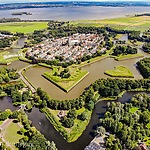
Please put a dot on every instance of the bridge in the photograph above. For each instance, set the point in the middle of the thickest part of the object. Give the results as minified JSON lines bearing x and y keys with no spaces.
{"x":31,"y":87}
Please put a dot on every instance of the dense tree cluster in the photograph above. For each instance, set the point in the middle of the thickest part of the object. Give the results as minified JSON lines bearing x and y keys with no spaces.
{"x":5,"y":42}
{"x":136,"y":35}
{"x":124,"y":50}
{"x":7,"y":74}
{"x":63,"y":74}
{"x":127,"y":126}
{"x":104,"y":87}
{"x":43,"y":97}
{"x":146,"y":47}
{"x":144,"y":67}
{"x":35,"y":140}
{"x":9,"y":88}
{"x":5,"y":114}
{"x":112,"y":87}
{"x":20,"y":97}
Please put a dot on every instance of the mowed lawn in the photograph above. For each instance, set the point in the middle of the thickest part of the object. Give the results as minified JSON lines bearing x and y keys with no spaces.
{"x":120,"y":71}
{"x":11,"y":134}
{"x":140,"y":23}
{"x":23,"y":27}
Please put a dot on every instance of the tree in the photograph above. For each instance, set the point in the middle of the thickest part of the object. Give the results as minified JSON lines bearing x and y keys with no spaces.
{"x":83,"y":116}
{"x":67,"y":122}
{"x":71,"y":114}
{"x":101,"y":130}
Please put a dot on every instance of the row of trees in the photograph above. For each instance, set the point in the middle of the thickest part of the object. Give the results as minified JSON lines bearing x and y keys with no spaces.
{"x":144,"y":67}
{"x":9,"y":88}
{"x":124,"y":50}
{"x":146,"y":47}
{"x":103,"y":87}
{"x":127,"y":126}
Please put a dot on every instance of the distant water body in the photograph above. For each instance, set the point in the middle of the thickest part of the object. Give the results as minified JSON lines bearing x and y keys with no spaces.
{"x":75,"y":13}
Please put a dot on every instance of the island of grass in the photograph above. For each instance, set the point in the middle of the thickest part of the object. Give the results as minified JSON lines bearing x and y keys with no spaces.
{"x":120,"y":71}
{"x":66,"y":78}
{"x":70,"y":134}
{"x":23,"y":27}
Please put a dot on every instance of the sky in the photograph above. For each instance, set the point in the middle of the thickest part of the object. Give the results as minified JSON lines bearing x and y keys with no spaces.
{"x":16,"y":1}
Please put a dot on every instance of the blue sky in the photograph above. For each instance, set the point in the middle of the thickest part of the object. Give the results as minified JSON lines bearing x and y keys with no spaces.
{"x":13,"y":1}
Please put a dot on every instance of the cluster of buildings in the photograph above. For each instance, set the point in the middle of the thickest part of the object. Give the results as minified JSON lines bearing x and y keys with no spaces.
{"x":70,"y":48}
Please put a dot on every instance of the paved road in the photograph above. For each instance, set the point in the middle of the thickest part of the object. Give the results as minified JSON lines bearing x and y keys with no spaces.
{"x":25,"y":80}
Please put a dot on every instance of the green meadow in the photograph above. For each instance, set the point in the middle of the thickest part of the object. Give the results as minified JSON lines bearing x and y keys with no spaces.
{"x":23,"y":27}
{"x":120,"y":71}
{"x":140,"y":23}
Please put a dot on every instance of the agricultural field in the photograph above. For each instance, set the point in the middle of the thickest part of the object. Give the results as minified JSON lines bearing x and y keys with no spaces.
{"x":137,"y":23}
{"x":23,"y":27}
{"x":120,"y":71}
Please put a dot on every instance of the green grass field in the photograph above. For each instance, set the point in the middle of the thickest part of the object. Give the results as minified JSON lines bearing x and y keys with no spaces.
{"x":120,"y":71}
{"x":23,"y":27}
{"x":66,"y":84}
{"x":129,"y":56}
{"x":148,"y":125}
{"x":133,"y":109}
{"x":1,"y":122}
{"x":140,"y":23}
{"x":11,"y":134}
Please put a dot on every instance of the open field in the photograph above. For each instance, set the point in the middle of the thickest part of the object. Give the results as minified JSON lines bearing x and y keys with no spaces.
{"x":120,"y":71}
{"x":66,"y":84}
{"x":140,"y":23}
{"x":23,"y":27}
{"x":11,"y":134}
